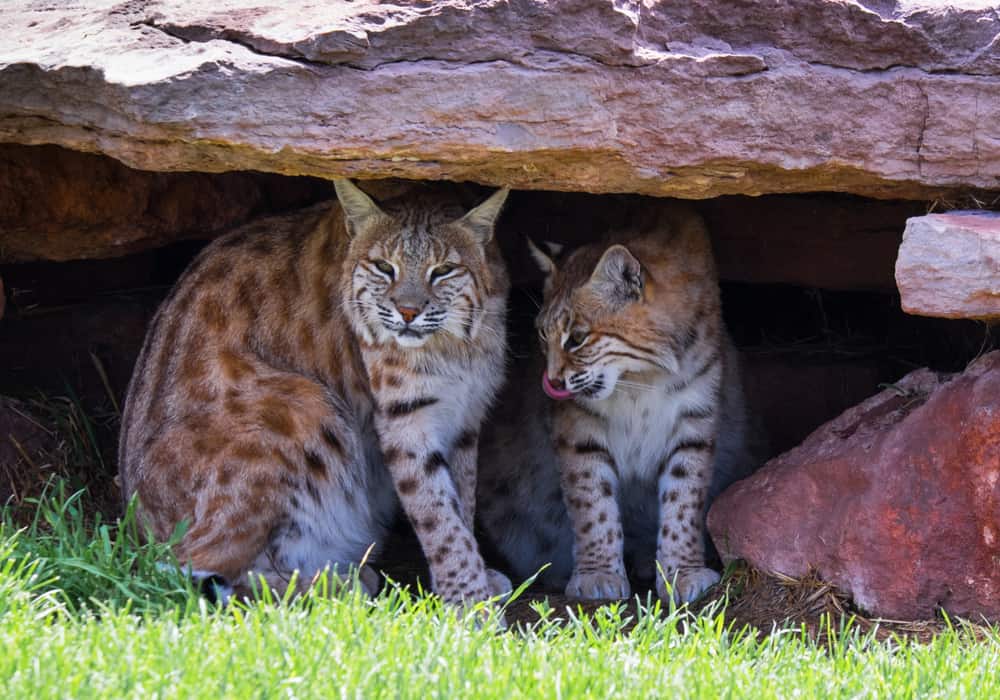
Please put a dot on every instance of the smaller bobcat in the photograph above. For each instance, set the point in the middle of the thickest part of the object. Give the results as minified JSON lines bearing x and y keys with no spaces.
{"x":647,"y":425}
{"x":307,"y":370}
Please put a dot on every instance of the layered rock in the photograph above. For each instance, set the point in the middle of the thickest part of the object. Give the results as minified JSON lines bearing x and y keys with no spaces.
{"x":897,"y":501}
{"x":949,"y":265}
{"x":692,"y":99}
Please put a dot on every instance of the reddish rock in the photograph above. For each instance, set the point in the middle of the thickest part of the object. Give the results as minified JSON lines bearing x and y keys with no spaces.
{"x":57,"y":204}
{"x":949,"y":265}
{"x":692,"y":99}
{"x":896,"y":501}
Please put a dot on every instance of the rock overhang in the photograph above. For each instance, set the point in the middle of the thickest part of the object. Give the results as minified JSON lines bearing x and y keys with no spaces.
{"x":699,"y":99}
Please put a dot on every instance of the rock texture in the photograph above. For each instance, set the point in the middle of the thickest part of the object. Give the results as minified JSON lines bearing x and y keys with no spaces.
{"x":693,"y":99}
{"x":949,"y":265}
{"x":57,"y":204}
{"x":897,"y":501}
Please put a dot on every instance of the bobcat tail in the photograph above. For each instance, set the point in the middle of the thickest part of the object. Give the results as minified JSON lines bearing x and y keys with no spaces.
{"x":215,"y":588}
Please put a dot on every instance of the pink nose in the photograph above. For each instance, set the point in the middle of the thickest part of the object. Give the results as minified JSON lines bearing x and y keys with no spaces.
{"x":408,"y":312}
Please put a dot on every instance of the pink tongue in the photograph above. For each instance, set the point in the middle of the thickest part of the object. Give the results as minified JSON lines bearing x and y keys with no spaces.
{"x":557,"y":394}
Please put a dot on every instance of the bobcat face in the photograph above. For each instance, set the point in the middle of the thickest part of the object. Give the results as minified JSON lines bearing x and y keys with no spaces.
{"x":594,"y":324}
{"x":414,"y":286}
{"x":419,"y":273}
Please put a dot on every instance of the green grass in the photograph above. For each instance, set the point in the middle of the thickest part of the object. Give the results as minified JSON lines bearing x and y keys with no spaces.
{"x":85,"y":612}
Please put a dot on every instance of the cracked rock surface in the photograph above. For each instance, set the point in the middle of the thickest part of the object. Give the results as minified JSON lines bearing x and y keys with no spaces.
{"x":693,"y":99}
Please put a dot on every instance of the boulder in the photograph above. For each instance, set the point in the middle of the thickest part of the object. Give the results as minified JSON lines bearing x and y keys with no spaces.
{"x":896,"y":501}
{"x":692,"y":99}
{"x":949,"y":265}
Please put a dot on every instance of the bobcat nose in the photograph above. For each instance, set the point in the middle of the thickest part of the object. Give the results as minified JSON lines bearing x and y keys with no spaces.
{"x":408,"y":313}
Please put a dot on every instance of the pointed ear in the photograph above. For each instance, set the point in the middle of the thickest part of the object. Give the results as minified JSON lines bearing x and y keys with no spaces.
{"x":481,"y":220}
{"x":359,"y":209}
{"x":618,"y":275}
{"x":542,"y":258}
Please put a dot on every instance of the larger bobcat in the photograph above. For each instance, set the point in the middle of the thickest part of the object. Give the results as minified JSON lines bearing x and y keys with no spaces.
{"x":296,"y":374}
{"x":647,"y":425}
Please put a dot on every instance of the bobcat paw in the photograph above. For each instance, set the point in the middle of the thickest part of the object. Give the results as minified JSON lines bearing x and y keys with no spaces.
{"x":497,"y":583}
{"x":687,"y":584}
{"x":596,"y":585}
{"x":486,"y":607}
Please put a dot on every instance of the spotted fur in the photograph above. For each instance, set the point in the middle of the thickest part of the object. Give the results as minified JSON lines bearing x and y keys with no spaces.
{"x":631,"y":329}
{"x":301,"y":381}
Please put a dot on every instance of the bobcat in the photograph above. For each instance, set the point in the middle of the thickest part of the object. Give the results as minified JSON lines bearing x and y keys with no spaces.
{"x":647,"y":422}
{"x":299,"y":378}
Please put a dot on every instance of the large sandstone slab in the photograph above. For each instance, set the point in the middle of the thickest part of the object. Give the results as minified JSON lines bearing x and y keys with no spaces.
{"x":896,"y":501}
{"x":949,"y":265}
{"x":693,"y":99}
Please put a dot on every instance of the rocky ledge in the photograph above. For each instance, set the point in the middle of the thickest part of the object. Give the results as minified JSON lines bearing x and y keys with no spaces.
{"x":691,"y":99}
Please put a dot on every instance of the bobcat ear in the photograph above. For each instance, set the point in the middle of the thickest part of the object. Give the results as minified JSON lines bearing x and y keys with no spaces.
{"x":482,"y":220}
{"x":544,"y":259}
{"x":618,"y":275}
{"x":359,"y":209}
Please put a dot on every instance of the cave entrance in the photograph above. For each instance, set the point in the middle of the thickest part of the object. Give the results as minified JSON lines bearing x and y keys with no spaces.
{"x":91,"y":248}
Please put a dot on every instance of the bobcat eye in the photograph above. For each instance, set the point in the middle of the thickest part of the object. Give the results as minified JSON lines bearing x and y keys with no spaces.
{"x":575,"y":339}
{"x":385,"y":268}
{"x":442,"y":270}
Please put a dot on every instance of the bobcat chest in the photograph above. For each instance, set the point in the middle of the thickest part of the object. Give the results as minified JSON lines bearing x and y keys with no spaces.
{"x":641,"y":426}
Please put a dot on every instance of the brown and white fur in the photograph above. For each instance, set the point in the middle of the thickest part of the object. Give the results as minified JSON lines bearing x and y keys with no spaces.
{"x":652,"y":427}
{"x":302,"y":376}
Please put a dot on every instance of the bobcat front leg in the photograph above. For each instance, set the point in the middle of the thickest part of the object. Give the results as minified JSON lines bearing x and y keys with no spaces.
{"x":423,"y":480}
{"x":463,"y":469}
{"x":590,"y":485}
{"x":680,"y":551}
